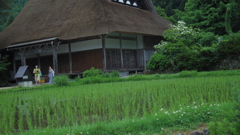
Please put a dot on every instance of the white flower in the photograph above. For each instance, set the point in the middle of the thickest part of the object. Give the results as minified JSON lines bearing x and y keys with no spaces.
{"x":80,"y":132}
{"x":187,"y":106}
{"x":132,"y":120}
{"x":194,"y":102}
{"x":161,"y":109}
{"x":181,"y":108}
{"x":161,"y":128}
{"x":181,"y":114}
{"x":202,"y":104}
{"x":208,"y":112}
{"x":155,"y":114}
{"x":87,"y":133}
{"x":157,"y":119}
{"x":195,"y":107}
{"x":180,"y":105}
{"x":166,"y":112}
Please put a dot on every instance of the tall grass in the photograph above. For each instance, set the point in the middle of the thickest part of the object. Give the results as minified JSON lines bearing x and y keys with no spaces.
{"x":86,"y":104}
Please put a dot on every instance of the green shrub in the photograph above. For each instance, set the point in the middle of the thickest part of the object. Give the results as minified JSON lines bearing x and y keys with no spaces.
{"x":230,"y":45}
{"x":62,"y":80}
{"x":158,"y":62}
{"x":78,"y":78}
{"x":106,"y":75}
{"x":115,"y":74}
{"x":92,"y":72}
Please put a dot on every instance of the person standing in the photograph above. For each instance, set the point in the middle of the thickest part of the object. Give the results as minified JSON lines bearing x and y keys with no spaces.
{"x":50,"y":75}
{"x":36,"y":72}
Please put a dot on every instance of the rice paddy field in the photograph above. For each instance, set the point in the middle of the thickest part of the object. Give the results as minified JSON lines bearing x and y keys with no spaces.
{"x":80,"y":109}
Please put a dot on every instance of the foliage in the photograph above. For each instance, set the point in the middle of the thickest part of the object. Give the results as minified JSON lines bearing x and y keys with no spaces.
{"x":115,"y":74}
{"x":4,"y":6}
{"x":230,"y":124}
{"x":186,"y":48}
{"x":9,"y":11}
{"x":3,"y":63}
{"x":230,"y":45}
{"x":117,"y":108}
{"x":93,"y":72}
{"x":3,"y":67}
{"x":158,"y":61}
{"x":217,"y":16}
{"x":62,"y":80}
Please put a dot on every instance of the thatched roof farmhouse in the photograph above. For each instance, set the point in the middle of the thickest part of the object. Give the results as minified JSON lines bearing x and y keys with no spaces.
{"x":73,"y":36}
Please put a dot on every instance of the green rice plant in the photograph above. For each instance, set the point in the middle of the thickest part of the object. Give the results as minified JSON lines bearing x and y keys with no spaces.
{"x":60,"y":107}
{"x":192,"y":73}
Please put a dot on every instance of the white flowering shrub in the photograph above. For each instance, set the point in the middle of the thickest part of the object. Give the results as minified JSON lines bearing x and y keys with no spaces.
{"x":184,"y":48}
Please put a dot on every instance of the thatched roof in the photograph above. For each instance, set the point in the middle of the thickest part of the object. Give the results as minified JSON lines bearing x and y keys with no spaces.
{"x":75,"y":19}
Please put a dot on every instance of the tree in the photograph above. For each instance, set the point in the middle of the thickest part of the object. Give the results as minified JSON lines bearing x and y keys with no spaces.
{"x":3,"y":63}
{"x":4,"y":9}
{"x":215,"y":16}
{"x":9,"y":10}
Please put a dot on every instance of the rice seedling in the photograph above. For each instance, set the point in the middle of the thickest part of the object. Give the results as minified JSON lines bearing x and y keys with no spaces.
{"x":68,"y":106}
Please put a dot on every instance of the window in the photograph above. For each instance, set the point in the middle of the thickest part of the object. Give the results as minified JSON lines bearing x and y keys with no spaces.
{"x":133,"y":3}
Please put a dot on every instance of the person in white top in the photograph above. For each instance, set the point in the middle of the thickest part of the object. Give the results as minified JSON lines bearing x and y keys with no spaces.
{"x":50,"y":75}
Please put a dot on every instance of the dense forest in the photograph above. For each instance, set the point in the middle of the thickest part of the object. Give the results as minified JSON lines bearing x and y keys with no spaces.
{"x":9,"y":10}
{"x":205,"y":36}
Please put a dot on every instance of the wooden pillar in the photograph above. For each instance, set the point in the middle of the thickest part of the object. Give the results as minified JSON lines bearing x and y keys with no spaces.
{"x":23,"y":58}
{"x":14,"y":64}
{"x":137,"y":52}
{"x":55,"y":58}
{"x":121,"y":50}
{"x":70,"y":58}
{"x":39,"y":62}
{"x":104,"y":53}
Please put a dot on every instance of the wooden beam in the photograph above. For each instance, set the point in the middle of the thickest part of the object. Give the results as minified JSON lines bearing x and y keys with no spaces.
{"x":70,"y":57}
{"x":123,"y":38}
{"x":35,"y":51}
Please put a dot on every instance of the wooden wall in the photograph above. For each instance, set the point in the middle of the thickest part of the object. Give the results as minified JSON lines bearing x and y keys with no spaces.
{"x":81,"y":61}
{"x":130,"y":61}
{"x":85,"y":60}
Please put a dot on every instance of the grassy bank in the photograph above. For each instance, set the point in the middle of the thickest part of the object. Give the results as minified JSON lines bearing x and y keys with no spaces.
{"x":136,"y":77}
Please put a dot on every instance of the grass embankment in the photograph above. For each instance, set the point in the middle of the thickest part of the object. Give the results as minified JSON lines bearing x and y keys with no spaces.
{"x":135,"y":107}
{"x":136,"y":77}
